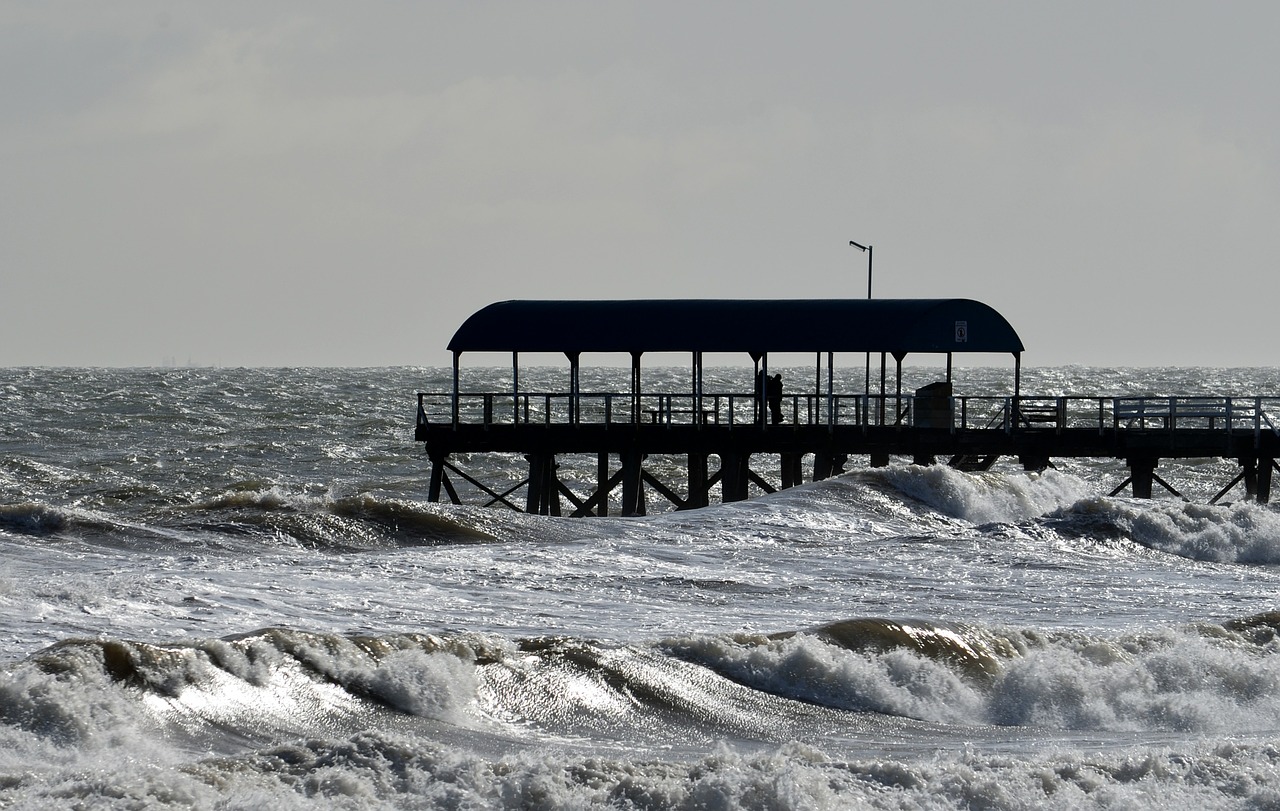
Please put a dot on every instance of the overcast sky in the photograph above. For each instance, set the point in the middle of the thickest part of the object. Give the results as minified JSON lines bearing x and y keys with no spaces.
{"x":341,"y":183}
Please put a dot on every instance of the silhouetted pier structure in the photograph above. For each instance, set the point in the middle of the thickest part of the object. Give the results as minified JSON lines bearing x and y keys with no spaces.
{"x":734,"y":429}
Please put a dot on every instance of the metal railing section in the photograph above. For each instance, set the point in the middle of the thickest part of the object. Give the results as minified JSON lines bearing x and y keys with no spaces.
{"x":963,"y":413}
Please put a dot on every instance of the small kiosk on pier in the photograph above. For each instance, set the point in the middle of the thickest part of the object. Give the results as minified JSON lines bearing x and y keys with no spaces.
{"x":815,"y":428}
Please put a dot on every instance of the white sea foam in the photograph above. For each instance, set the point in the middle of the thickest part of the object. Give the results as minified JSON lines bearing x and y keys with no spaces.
{"x":72,"y":703}
{"x":983,"y":498}
{"x":1173,"y":681}
{"x":1237,"y":533}
{"x":373,"y":771}
{"x":895,"y":682}
{"x":423,"y":676}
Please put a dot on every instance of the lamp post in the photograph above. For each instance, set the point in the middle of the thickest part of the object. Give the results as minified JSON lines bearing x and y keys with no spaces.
{"x":867,"y":249}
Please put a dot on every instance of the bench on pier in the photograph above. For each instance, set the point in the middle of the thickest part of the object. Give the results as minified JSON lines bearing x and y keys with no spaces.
{"x":1037,"y":415}
{"x":1164,"y":415}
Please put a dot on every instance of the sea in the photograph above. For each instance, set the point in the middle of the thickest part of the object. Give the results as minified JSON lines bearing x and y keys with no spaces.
{"x":227,"y":589}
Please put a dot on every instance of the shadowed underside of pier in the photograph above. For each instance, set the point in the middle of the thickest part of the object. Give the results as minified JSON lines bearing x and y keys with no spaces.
{"x":722,"y":463}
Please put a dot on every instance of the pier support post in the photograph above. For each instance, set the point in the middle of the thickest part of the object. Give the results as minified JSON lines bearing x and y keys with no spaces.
{"x":791,"y":470}
{"x":602,"y":483}
{"x":1249,"y":473}
{"x":879,"y":459}
{"x":632,"y":483}
{"x":533,"y":498}
{"x":1035,"y":462}
{"x":437,"y":476}
{"x":1143,"y":472}
{"x":827,"y":464}
{"x":823,"y":465}
{"x":544,"y":494}
{"x":1265,"y":466}
{"x":698,"y":481}
{"x":733,"y":476}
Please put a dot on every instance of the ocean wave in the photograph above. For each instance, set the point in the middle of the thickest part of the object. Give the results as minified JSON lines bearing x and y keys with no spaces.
{"x":32,"y":519}
{"x":68,"y":697}
{"x":1174,"y":680}
{"x":38,"y":520}
{"x":410,"y":522}
{"x":1202,"y":679}
{"x":966,"y":648}
{"x":986,"y":498}
{"x":1207,"y":678}
{"x":345,"y":523}
{"x":96,"y":527}
{"x":270,"y":515}
{"x":276,"y":682}
{"x":855,"y":676}
{"x":247,"y":688}
{"x":1243,"y":533}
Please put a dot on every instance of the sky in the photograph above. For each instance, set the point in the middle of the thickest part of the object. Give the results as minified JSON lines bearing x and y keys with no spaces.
{"x":340,"y":184}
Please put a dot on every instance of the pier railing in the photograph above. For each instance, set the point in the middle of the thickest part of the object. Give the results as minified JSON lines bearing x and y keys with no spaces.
{"x":963,"y":413}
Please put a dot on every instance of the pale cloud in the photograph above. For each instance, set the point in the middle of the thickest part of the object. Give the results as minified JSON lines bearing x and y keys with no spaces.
{"x":231,"y":98}
{"x":382,"y":170}
{"x":1172,"y":160}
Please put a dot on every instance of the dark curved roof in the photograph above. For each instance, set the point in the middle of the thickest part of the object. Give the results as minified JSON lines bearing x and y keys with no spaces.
{"x":727,"y":325}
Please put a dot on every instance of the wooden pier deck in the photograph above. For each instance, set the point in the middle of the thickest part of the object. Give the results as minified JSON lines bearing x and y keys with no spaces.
{"x":724,"y":440}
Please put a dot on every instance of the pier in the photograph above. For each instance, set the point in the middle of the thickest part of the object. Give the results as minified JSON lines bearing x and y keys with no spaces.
{"x":723,"y":438}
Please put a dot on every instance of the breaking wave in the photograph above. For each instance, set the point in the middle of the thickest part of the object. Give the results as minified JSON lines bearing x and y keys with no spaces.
{"x":747,"y":686}
{"x":1205,"y":679}
{"x":1244,"y":533}
{"x":985,"y":498}
{"x":344,"y":523}
{"x":347,"y":523}
{"x":455,"y":720}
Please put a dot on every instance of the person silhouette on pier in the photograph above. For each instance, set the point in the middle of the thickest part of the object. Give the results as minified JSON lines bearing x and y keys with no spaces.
{"x":773,"y":391}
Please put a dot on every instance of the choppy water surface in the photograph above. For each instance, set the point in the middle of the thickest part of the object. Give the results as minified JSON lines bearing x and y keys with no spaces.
{"x":225,"y":588}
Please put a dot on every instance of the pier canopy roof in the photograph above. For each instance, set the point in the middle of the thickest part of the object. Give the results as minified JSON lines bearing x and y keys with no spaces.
{"x":896,"y":326}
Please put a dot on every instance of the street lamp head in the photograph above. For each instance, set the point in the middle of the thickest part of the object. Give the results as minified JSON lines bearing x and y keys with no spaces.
{"x":862,"y":248}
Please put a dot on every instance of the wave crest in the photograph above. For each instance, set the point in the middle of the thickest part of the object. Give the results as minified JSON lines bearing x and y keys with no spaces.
{"x":986,"y":498}
{"x":1222,"y":679}
{"x":356,"y":522}
{"x":1238,"y":533}
{"x":32,"y":519}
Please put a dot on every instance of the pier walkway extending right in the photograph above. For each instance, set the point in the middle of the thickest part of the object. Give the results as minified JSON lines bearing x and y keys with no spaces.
{"x":968,"y":432}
